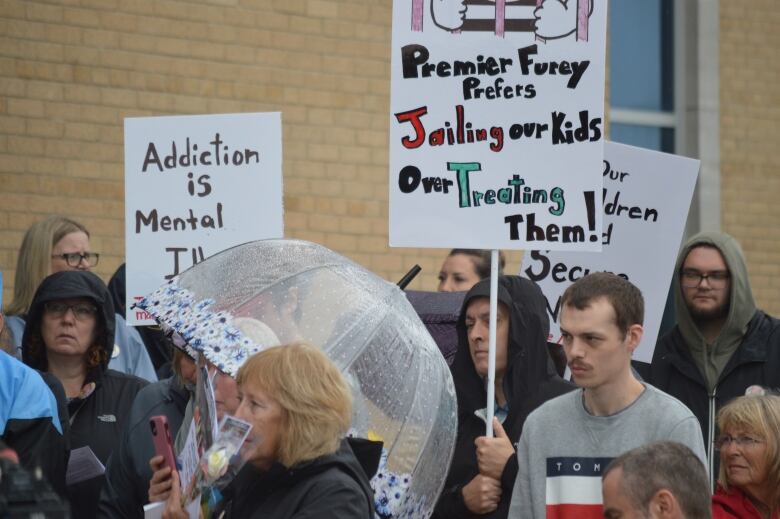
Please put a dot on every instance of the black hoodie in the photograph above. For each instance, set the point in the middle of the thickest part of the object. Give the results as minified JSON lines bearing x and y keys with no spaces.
{"x":530,"y":380}
{"x":334,"y":486}
{"x":97,"y":419}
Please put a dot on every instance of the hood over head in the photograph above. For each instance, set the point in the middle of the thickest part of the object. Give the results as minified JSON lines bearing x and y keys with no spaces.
{"x":711,"y":359}
{"x":67,"y":285}
{"x":528,"y":363}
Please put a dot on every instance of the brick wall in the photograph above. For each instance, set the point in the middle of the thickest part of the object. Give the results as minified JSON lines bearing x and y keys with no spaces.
{"x":749,"y":139}
{"x":70,"y":72}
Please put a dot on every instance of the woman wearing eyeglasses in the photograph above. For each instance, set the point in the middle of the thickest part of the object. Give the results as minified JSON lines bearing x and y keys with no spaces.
{"x":70,"y":334}
{"x":749,"y":445}
{"x":58,"y":244}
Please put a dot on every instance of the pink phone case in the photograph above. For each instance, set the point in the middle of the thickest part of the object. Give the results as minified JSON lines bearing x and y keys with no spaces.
{"x":163,"y":444}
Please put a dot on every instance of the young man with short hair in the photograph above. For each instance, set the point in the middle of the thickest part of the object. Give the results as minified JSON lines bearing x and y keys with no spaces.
{"x":567,"y":442}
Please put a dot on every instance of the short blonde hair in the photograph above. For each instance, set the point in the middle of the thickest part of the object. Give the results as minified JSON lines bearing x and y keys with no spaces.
{"x":34,"y":261}
{"x":314,"y":396}
{"x":759,"y":415}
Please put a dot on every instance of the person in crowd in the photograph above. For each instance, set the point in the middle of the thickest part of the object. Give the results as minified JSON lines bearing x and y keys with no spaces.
{"x":300,"y":408}
{"x":462,"y":268}
{"x":722,"y":343}
{"x":30,"y":421}
{"x":568,"y":441}
{"x":58,"y":244}
{"x":69,"y":333}
{"x":661,"y":480}
{"x":483,"y":470}
{"x":153,"y":338}
{"x":226,"y":396}
{"x":749,"y":446}
{"x":130,"y":467}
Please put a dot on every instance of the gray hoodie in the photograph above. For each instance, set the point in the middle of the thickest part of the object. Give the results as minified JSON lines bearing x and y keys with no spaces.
{"x":711,"y":359}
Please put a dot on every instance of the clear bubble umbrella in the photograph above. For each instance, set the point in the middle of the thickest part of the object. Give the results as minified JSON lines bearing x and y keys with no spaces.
{"x":280,"y":291}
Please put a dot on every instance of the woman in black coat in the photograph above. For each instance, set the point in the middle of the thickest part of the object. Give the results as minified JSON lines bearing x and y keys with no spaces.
{"x":69,"y":333}
{"x":298,"y":465}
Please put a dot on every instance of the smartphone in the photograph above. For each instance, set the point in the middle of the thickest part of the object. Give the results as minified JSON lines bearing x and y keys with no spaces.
{"x":163,"y":443}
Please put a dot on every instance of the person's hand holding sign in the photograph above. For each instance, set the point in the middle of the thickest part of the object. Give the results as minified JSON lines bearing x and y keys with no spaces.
{"x":482,"y":494}
{"x":493,"y":453}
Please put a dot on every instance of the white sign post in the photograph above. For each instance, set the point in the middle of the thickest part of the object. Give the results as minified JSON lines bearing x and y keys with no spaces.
{"x":496,"y":133}
{"x":646,"y":199}
{"x":194,"y":186}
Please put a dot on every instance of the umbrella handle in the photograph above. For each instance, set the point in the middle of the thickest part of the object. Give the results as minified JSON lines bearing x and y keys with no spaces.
{"x":409,"y":276}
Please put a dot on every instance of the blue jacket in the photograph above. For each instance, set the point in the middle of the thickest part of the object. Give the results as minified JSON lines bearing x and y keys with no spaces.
{"x":30,"y":422}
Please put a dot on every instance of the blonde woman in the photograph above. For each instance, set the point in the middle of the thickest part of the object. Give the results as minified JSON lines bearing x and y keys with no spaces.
{"x":749,"y":445}
{"x":298,"y":465}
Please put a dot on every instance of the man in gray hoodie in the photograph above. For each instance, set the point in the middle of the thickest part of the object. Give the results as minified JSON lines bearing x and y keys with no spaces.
{"x":722,"y":344}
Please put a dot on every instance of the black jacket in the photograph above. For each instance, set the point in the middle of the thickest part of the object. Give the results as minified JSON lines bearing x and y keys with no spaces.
{"x":530,"y":380}
{"x":126,"y":489}
{"x":755,"y":362}
{"x":330,"y":487}
{"x":98,"y":420}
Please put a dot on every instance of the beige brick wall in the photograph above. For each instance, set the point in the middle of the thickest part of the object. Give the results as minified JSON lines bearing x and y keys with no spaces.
{"x":750,"y":137}
{"x":70,"y":74}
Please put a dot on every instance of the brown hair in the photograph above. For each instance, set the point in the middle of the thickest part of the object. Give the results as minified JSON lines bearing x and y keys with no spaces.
{"x":6,"y":341}
{"x":315,"y":398}
{"x":759,"y":414}
{"x":625,"y":298}
{"x":480,"y":258}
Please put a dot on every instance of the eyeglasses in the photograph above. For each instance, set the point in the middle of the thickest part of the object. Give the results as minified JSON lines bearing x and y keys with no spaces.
{"x":693,"y":278}
{"x":73,"y":259}
{"x":742,"y":441}
{"x":82,"y":311}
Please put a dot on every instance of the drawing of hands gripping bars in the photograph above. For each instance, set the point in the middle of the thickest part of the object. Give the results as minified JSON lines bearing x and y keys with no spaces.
{"x":548,"y":19}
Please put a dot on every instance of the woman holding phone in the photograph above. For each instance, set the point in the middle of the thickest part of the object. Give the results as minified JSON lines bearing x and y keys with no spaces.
{"x":298,"y":465}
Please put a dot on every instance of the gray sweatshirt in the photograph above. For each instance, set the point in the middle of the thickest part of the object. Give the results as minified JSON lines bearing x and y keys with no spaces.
{"x":563,"y":450}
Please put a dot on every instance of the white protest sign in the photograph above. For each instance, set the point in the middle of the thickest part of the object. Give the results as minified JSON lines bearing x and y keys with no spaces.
{"x":646,"y":199}
{"x":194,"y":186}
{"x":496,"y":132}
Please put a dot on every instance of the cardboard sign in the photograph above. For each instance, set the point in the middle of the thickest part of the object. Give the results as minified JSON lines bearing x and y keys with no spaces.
{"x":194,"y":186}
{"x":496,"y":133}
{"x":646,"y":198}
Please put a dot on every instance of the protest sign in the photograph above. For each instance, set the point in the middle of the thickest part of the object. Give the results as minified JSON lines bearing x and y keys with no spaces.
{"x":496,"y":134}
{"x":194,"y":186}
{"x":646,"y":198}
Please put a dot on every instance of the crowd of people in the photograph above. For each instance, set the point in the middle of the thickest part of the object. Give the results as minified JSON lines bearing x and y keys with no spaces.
{"x":580,"y":429}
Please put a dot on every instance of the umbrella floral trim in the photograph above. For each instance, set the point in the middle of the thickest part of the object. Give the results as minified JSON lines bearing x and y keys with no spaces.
{"x":211,"y":333}
{"x":392,"y":498}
